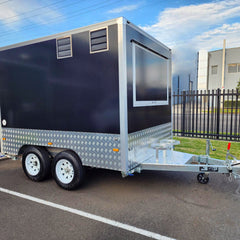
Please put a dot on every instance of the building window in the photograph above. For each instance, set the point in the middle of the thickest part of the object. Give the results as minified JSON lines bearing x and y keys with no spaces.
{"x":233,"y":68}
{"x":239,"y":67}
{"x":214,"y":69}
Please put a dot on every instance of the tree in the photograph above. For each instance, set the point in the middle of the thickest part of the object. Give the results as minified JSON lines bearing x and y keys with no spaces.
{"x":238,"y":85}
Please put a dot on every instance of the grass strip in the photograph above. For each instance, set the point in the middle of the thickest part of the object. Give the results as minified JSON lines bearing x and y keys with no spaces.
{"x":198,"y":146}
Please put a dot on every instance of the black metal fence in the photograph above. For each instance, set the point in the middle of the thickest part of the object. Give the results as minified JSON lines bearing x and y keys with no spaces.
{"x":207,"y":114}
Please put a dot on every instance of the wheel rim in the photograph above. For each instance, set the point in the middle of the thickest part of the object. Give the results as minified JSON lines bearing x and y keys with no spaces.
{"x":202,"y":178}
{"x":32,"y":164}
{"x":64,"y":171}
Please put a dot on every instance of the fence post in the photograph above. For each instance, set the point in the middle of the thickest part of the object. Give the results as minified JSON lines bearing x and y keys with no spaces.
{"x":218,"y":110}
{"x":183,"y":112}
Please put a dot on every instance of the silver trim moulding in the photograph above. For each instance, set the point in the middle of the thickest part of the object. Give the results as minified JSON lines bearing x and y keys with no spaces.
{"x":123,"y":109}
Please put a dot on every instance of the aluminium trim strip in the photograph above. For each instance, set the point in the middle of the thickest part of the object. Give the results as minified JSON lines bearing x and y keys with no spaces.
{"x":149,"y":49}
{"x":122,"y":64}
{"x":171,"y":92}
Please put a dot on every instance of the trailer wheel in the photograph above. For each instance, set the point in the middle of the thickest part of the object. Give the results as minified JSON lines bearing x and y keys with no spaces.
{"x":36,"y":163}
{"x":202,"y":178}
{"x":67,"y":170}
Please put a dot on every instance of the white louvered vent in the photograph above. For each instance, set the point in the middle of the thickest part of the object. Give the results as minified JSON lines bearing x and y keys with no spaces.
{"x":64,"y":47}
{"x":98,"y":40}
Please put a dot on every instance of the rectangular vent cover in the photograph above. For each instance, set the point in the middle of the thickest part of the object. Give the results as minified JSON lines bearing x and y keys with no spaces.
{"x":98,"y":40}
{"x":64,"y":47}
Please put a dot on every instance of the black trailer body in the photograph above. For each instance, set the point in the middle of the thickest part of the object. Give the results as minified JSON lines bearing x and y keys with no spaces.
{"x":102,"y":91}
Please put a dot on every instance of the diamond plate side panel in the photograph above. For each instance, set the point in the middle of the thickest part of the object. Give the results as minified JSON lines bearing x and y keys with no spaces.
{"x":94,"y":149}
{"x":139,"y":142}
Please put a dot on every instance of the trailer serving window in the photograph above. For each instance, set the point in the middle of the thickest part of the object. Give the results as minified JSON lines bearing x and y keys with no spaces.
{"x":150,"y":77}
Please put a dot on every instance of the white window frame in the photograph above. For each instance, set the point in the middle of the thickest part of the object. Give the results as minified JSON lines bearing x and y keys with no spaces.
{"x":139,"y":103}
{"x":69,"y":36}
{"x":98,"y":51}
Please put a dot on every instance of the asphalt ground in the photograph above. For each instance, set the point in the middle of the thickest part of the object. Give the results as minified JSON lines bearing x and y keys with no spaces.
{"x":170,"y":204}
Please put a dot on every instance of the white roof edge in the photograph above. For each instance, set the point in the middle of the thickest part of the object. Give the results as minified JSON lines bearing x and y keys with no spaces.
{"x":222,"y":49}
{"x":146,"y":34}
{"x":65,"y":33}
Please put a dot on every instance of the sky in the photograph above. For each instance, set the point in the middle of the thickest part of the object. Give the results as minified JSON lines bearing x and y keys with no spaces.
{"x":184,"y":26}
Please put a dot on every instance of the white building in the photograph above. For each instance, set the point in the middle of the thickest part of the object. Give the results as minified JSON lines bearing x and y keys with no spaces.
{"x":218,"y":70}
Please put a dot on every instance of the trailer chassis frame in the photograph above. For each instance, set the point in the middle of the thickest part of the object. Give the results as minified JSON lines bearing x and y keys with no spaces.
{"x":165,"y":157}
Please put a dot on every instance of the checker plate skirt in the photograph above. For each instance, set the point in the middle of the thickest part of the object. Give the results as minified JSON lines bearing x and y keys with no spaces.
{"x":139,"y":142}
{"x":94,"y":149}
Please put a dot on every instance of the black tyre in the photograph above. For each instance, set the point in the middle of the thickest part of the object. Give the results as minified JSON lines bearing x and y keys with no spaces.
{"x":67,"y":170}
{"x":202,"y":178}
{"x":36,"y":163}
